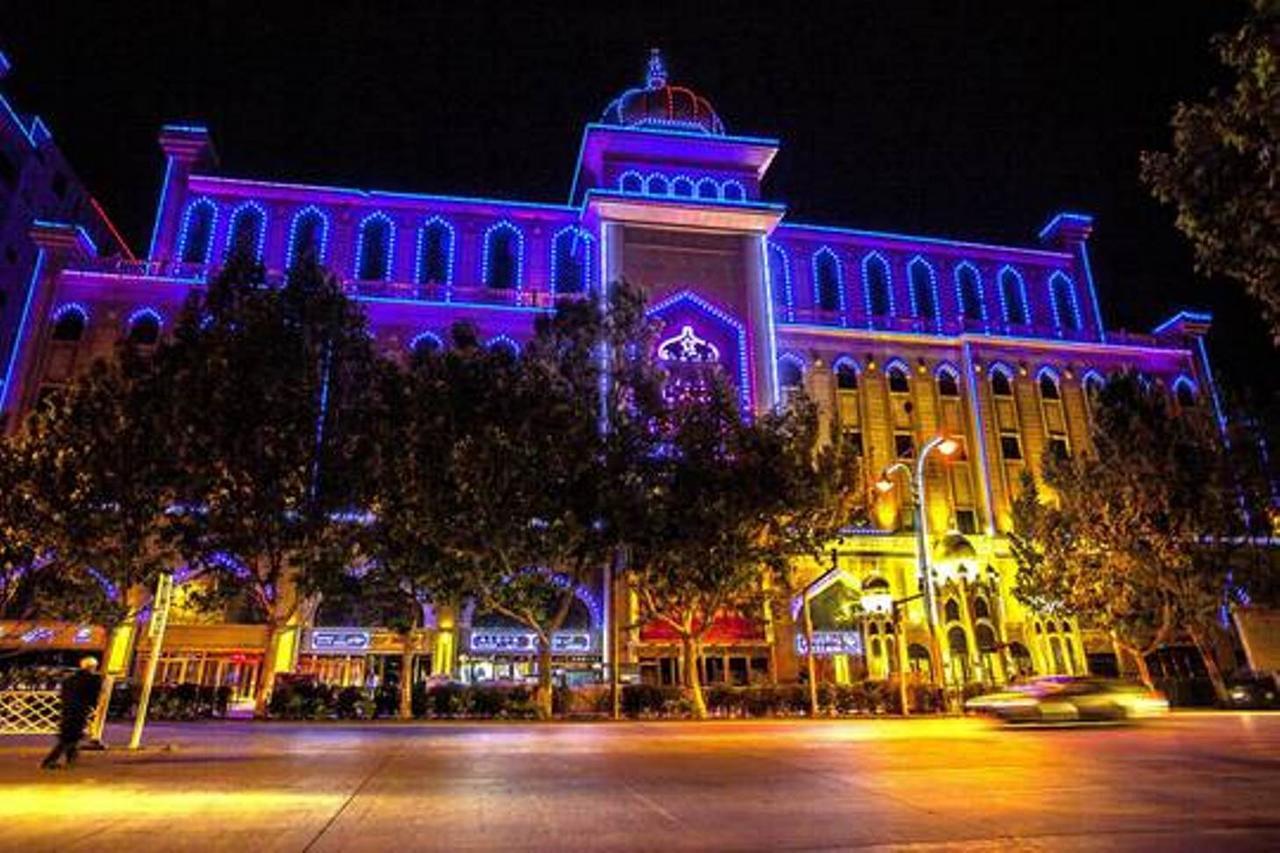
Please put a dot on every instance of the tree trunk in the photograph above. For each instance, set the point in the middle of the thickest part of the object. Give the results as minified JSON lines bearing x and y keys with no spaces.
{"x":406,"y":677}
{"x":1144,"y":671}
{"x":692,"y":679}
{"x":1211,"y":667}
{"x":545,"y":693}
{"x":266,"y":674}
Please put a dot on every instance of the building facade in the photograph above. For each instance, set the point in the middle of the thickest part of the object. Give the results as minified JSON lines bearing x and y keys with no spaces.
{"x":899,"y":339}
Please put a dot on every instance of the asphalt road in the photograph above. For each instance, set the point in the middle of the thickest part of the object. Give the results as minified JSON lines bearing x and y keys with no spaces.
{"x":1195,"y":782}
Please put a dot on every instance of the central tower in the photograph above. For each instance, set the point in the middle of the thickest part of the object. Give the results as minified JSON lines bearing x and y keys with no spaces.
{"x":676,"y":202}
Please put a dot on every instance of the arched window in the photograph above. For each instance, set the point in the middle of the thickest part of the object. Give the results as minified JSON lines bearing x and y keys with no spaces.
{"x":435,"y":252}
{"x":969,"y":292}
{"x":308,"y":235}
{"x":780,"y":279}
{"x":196,"y":238}
{"x":1049,"y":386}
{"x":708,"y":189}
{"x":69,"y":322}
{"x":828,"y":289}
{"x":631,"y":182}
{"x":790,"y":372}
{"x":143,"y":327}
{"x":952,"y":610}
{"x":1013,"y":296}
{"x":985,"y":638}
{"x":733,"y":191}
{"x":504,"y":345}
{"x":981,"y":609}
{"x":846,"y":375}
{"x":426,"y":342}
{"x":899,"y":378}
{"x":1184,"y":391}
{"x":682,"y":187}
{"x":571,"y":260}
{"x":503,"y":256}
{"x":1066,"y":312}
{"x":375,"y":247}
{"x":948,"y":382}
{"x":924,"y":289}
{"x":1001,"y":381}
{"x":247,"y":236}
{"x":1092,"y":386}
{"x":877,"y":285}
{"x":657,"y":185}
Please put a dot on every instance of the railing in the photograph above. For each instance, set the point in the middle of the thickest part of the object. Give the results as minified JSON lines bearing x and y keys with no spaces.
{"x":29,"y":712}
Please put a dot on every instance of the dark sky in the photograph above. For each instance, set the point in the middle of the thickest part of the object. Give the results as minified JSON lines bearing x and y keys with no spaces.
{"x":961,"y":120}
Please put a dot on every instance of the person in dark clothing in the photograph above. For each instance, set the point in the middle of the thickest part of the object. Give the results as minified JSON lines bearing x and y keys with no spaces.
{"x":79,"y":700}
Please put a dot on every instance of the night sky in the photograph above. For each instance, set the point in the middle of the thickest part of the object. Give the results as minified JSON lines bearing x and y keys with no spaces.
{"x":934,"y":119}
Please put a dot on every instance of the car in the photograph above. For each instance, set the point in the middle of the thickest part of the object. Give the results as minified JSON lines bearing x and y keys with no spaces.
{"x":1254,"y":691}
{"x":1059,"y":699}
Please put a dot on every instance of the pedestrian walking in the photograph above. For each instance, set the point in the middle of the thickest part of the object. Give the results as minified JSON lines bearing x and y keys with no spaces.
{"x":79,"y":699}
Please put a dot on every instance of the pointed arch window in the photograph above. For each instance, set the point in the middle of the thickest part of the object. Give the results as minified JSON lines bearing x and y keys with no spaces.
{"x":827,"y":284}
{"x":308,"y":236}
{"x":571,"y":260}
{"x":899,"y":378}
{"x":375,"y":248}
{"x":877,"y":285}
{"x":1066,"y":311}
{"x":196,"y":239}
{"x":247,"y":235}
{"x":924,"y":289}
{"x":969,"y":293}
{"x":503,"y":256}
{"x":780,"y":280}
{"x":1001,"y":384}
{"x":1049,"y":389}
{"x":435,"y":252}
{"x":846,"y":376}
{"x":1013,"y":297}
{"x":948,"y":383}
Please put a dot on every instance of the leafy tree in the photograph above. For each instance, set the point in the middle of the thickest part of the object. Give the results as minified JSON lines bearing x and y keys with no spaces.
{"x":21,"y":532}
{"x":1223,"y":172}
{"x":1139,"y":535}
{"x":273,"y":390}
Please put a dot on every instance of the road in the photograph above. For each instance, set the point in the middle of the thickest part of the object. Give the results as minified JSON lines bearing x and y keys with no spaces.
{"x":1195,"y":782}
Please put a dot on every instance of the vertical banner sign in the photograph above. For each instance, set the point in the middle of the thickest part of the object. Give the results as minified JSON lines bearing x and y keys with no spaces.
{"x":155,"y":631}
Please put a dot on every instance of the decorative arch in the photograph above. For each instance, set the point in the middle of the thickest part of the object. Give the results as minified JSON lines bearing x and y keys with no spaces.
{"x":708,"y":189}
{"x":923,"y":285}
{"x":571,"y":254}
{"x":1005,"y":375}
{"x":309,"y":230}
{"x":682,"y":187}
{"x":429,"y":340}
{"x":791,"y":370}
{"x":144,"y":325}
{"x":970,"y":300}
{"x":1013,"y":296}
{"x":780,"y":278}
{"x":248,"y":229}
{"x":1092,"y":381}
{"x":503,"y":265}
{"x":434,"y":254}
{"x":195,"y":239}
{"x":1050,"y":383}
{"x":503,"y":342}
{"x":657,"y":184}
{"x":899,"y":367}
{"x":685,"y":305}
{"x":947,"y":378}
{"x":1185,"y":390}
{"x":828,"y":281}
{"x":631,"y":181}
{"x":375,"y":247}
{"x":733,"y":190}
{"x":847,"y":373}
{"x":877,"y":285}
{"x":1062,"y":297}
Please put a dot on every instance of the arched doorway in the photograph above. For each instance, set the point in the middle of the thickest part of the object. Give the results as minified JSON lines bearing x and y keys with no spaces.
{"x":1020,"y":660}
{"x":958,"y":645}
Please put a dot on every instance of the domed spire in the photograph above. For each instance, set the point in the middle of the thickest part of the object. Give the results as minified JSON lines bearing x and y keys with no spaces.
{"x":657,"y":76}
{"x":660,"y":105}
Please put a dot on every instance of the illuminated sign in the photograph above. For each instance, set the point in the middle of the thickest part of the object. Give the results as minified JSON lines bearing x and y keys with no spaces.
{"x":340,"y":640}
{"x":831,"y":643}
{"x":526,"y":642}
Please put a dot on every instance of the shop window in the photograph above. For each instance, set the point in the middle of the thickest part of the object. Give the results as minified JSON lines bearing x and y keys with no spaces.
{"x":739,"y":671}
{"x":1010,"y":447}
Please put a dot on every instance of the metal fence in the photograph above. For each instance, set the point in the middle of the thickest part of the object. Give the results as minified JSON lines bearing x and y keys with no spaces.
{"x":29,"y":712}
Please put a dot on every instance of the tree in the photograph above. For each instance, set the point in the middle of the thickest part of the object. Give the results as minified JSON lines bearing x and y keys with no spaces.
{"x":1223,"y":172}
{"x":717,"y":506}
{"x":1140,"y":534}
{"x":21,"y":532}
{"x":271,"y":411}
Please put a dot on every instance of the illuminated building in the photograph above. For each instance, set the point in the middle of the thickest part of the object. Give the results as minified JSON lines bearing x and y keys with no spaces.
{"x":36,"y":184}
{"x":899,"y":338}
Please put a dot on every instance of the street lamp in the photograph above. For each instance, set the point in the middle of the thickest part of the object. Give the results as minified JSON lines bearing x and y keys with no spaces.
{"x":885,"y":603}
{"x":947,"y":446}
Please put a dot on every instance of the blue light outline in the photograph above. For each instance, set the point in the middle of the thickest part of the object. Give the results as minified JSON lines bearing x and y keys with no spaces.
{"x":866,"y":285}
{"x":772,"y":341}
{"x":238,"y":211}
{"x":450,"y":241}
{"x":308,"y":210}
{"x":744,"y":373}
{"x":915,"y":262}
{"x":578,"y":233}
{"x":390,"y":250}
{"x":422,"y":336}
{"x":1188,"y":316}
{"x":981,"y":292}
{"x":1025,"y":312}
{"x":164,"y":195}
{"x":32,"y":283}
{"x":825,"y":251}
{"x":184,"y":229}
{"x":1058,"y":279}
{"x":503,"y":225}
{"x":788,"y":295}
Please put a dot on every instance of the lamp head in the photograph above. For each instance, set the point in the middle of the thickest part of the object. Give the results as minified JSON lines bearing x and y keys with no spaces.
{"x":948,"y":446}
{"x":884,"y":484}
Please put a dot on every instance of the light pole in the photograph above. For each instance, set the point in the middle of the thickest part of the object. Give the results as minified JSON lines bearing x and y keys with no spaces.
{"x":884,"y":602}
{"x":915,"y":482}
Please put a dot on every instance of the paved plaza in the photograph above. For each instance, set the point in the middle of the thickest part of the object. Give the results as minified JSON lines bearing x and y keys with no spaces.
{"x":1195,"y":782}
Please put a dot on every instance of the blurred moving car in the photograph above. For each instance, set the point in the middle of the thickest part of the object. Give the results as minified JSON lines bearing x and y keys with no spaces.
{"x":1059,"y":699}
{"x":1254,"y":691}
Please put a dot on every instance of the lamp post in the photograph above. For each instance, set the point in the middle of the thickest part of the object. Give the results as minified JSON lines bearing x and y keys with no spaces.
{"x":915,"y":481}
{"x":883,"y":602}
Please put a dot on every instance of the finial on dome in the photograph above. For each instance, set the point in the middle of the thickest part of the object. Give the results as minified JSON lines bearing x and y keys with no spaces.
{"x":657,"y":75}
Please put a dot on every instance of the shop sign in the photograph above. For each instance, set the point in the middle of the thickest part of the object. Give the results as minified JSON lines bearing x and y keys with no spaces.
{"x":526,"y":642}
{"x":340,"y":641}
{"x":831,"y":643}
{"x":51,"y":635}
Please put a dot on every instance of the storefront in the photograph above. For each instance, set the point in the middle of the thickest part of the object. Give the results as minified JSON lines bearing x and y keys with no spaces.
{"x":735,"y":651}
{"x":209,"y":656}
{"x":502,"y":652}
{"x":50,"y":647}
{"x":362,"y":657}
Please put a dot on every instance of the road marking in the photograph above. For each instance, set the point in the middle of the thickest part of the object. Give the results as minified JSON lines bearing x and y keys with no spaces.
{"x":653,"y":804}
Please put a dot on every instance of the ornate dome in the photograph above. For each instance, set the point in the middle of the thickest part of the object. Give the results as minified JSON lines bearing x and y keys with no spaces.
{"x":954,"y":546}
{"x":659,"y":104}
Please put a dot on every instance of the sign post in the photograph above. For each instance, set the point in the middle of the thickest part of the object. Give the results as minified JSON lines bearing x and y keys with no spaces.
{"x":155,"y":630}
